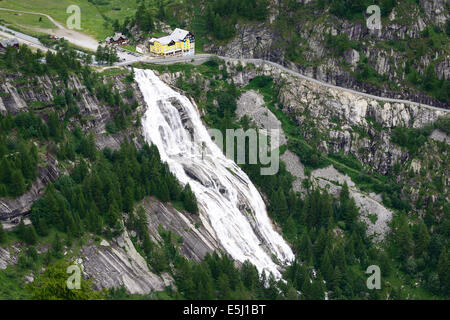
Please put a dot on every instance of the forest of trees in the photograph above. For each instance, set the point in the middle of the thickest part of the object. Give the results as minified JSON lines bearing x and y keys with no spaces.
{"x":104,"y":187}
{"x":106,"y":55}
{"x":222,"y":15}
{"x":18,"y":166}
{"x":94,"y":196}
{"x":30,"y":63}
{"x":325,"y":232}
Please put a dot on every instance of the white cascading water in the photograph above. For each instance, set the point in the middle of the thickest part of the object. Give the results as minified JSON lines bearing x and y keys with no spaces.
{"x":230,"y":206}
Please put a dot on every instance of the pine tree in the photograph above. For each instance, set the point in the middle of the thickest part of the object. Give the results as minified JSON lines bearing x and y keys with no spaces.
{"x":422,"y":241}
{"x":54,"y":127}
{"x":21,"y":230}
{"x":189,"y":200}
{"x":339,"y":257}
{"x":28,"y":165}
{"x":249,"y":275}
{"x":345,"y":194}
{"x":403,"y":238}
{"x":163,"y":192}
{"x":128,"y":200}
{"x":305,"y":248}
{"x":113,"y":214}
{"x":57,"y":246}
{"x":18,"y":184}
{"x":147,"y":245}
{"x":320,"y":244}
{"x":325,"y":266}
{"x":306,"y":289}
{"x":5,"y":172}
{"x":204,"y":283}
{"x":443,"y":268}
{"x":291,"y":294}
{"x":223,"y":286}
{"x":326,"y":210}
{"x":290,"y":228}
{"x":336,"y":280}
{"x":3,"y":236}
{"x":31,"y":236}
{"x":317,"y":289}
{"x":279,"y":204}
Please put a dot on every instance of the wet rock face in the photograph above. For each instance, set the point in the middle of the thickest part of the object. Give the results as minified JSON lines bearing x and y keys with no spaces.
{"x":197,"y":240}
{"x":119,"y":264}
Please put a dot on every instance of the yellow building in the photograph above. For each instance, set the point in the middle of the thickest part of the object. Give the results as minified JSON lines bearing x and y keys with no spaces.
{"x":180,"y":42}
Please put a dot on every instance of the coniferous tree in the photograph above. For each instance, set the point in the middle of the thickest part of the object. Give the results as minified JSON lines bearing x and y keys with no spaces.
{"x":320,"y":244}
{"x":290,"y":228}
{"x":18,"y":186}
{"x":147,"y":245}
{"x":403,"y":238}
{"x":443,"y":268}
{"x":345,"y":194}
{"x":163,"y":192}
{"x":422,"y":240}
{"x":5,"y":172}
{"x":306,"y":289}
{"x":305,"y":248}
{"x":3,"y":236}
{"x":325,"y":266}
{"x":30,"y":236}
{"x":223,"y":286}
{"x":113,"y":213}
{"x":204,"y":283}
{"x":21,"y":230}
{"x":317,"y":291}
{"x":189,"y":200}
{"x":280,"y":204}
{"x":326,"y":210}
{"x":128,"y":199}
{"x":57,"y":246}
{"x":339,"y":257}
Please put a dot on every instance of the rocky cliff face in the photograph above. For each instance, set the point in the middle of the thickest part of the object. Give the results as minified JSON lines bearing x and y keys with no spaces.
{"x":114,"y":263}
{"x":197,"y":241}
{"x":253,"y":105}
{"x":21,"y":94}
{"x":117,"y":264}
{"x":111,"y":264}
{"x":12,"y":210}
{"x":8,"y":256}
{"x":300,"y":43}
{"x":337,"y":114}
{"x":436,"y":10}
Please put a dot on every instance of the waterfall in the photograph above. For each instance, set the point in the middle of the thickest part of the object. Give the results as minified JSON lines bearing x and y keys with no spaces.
{"x":230,"y":206}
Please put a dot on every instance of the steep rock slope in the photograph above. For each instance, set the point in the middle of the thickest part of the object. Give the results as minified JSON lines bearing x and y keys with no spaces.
{"x":343,"y":51}
{"x":118,"y":262}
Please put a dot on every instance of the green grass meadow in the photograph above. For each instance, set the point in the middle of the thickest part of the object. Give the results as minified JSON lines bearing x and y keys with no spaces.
{"x":96,"y":20}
